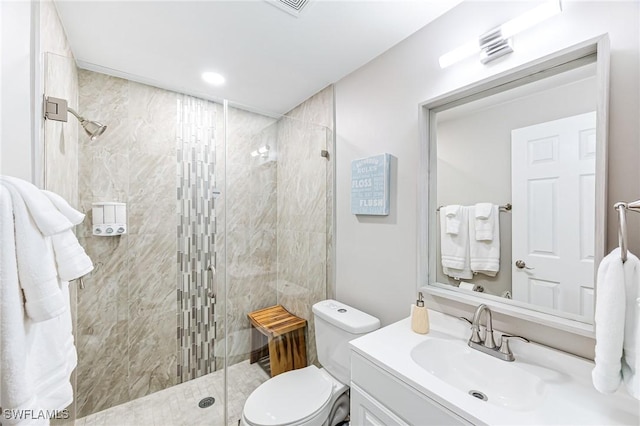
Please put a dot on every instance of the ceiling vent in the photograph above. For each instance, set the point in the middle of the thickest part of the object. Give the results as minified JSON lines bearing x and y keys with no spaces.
{"x":292,"y":7}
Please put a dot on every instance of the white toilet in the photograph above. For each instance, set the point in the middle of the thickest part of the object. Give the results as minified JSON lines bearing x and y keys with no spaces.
{"x":313,"y":396}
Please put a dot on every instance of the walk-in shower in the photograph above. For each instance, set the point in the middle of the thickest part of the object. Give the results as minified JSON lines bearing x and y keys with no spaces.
{"x":220,"y":200}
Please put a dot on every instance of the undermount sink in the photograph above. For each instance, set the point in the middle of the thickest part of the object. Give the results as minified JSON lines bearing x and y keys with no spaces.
{"x":479,"y":375}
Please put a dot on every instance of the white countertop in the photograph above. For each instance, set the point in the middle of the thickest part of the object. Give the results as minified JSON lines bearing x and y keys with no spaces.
{"x":569,"y":396}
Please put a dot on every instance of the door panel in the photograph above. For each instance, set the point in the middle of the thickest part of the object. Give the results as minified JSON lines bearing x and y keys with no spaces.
{"x":553,"y":192}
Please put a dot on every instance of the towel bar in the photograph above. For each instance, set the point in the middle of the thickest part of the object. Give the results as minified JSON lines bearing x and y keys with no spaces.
{"x":505,"y":208}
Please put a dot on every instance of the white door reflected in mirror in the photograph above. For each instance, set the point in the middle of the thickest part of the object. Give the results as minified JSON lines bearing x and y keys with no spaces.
{"x":553,"y":184}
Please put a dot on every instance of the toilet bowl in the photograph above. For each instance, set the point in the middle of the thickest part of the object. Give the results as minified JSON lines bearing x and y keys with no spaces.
{"x":303,"y":397}
{"x":313,"y":396}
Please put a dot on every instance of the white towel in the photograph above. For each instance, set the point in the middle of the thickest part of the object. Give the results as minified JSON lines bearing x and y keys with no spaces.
{"x":617,"y":320}
{"x":452,"y":218}
{"x":454,"y":248}
{"x":63,"y":207}
{"x":16,"y":391}
{"x":36,"y":266}
{"x":46,"y":216}
{"x":483,"y":210}
{"x":71,"y":259}
{"x":35,"y":362}
{"x":485,"y":213}
{"x":484,"y":255}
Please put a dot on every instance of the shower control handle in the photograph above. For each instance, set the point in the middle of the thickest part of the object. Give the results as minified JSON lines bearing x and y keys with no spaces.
{"x":212,"y":283}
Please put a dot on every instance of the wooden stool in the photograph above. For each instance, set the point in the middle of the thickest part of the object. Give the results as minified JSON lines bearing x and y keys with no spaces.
{"x":277,"y":333}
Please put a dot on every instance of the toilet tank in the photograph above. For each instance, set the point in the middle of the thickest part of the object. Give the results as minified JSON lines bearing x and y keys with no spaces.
{"x":336,"y":324}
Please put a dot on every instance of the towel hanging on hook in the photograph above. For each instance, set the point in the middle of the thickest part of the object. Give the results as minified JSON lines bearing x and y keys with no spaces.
{"x":622,"y":208}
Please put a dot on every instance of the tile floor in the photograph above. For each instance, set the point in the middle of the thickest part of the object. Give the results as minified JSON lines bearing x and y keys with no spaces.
{"x":178,"y":405}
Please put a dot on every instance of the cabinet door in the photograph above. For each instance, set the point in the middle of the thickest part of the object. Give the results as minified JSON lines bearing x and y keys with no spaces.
{"x":366,"y":411}
{"x":395,"y":397}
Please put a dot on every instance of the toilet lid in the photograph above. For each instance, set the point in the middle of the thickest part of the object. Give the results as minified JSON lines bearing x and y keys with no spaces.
{"x":289,"y":397}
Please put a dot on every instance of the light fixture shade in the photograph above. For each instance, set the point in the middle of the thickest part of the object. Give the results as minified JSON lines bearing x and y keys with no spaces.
{"x":528,"y":19}
{"x":459,"y":53}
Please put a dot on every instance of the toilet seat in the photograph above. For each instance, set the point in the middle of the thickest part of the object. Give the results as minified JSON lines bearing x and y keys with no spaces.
{"x":289,"y":398}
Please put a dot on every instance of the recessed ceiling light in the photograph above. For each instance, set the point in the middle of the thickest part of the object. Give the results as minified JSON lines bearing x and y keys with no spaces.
{"x":213,"y":78}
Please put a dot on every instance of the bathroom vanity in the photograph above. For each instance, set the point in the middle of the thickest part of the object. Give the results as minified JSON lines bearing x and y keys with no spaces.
{"x":402,"y":378}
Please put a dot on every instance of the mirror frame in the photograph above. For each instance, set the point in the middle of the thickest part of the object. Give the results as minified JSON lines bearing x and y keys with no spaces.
{"x":534,"y":70}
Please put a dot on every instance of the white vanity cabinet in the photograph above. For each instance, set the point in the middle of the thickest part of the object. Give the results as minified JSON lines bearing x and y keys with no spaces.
{"x":399,"y":377}
{"x":380,"y":399}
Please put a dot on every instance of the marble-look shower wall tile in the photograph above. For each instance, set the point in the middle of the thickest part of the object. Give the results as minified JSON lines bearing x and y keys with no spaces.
{"x":107,"y":98}
{"x":101,"y":374}
{"x":247,"y":213}
{"x":106,"y":287}
{"x":153,"y":118}
{"x":127,"y":312}
{"x":305,"y":208}
{"x":52,"y":35}
{"x":196,"y":254}
{"x":238,"y":326}
{"x":152,"y":195}
{"x":101,"y":336}
{"x":152,"y":354}
{"x":317,"y":265}
{"x":318,"y":109}
{"x":61,"y":138}
{"x":330,"y":206}
{"x":152,"y":282}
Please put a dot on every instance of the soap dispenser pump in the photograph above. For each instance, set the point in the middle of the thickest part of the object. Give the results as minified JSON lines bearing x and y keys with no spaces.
{"x":419,"y":316}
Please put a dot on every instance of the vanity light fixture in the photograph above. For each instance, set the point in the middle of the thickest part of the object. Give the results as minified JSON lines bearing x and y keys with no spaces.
{"x":213,"y":78}
{"x":496,"y":42}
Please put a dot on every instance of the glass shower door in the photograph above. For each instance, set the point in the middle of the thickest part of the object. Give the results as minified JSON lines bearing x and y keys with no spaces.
{"x":277,"y":213}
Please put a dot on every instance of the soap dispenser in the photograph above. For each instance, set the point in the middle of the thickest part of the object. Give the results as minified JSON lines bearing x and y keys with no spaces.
{"x":419,"y":316}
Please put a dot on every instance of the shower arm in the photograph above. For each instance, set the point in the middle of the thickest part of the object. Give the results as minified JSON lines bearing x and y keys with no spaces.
{"x":80,"y":118}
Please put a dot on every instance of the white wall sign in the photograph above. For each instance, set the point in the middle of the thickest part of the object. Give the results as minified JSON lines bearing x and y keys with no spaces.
{"x":370,"y":185}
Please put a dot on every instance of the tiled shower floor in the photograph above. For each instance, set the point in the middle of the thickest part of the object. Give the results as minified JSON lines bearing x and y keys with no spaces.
{"x":178,"y":405}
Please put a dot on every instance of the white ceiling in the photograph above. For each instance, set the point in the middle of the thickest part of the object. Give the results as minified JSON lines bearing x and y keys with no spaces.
{"x":272,"y":60}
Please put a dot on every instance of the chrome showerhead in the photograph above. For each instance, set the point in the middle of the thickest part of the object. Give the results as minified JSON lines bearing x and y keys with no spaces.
{"x":56,"y":109}
{"x":92,"y":128}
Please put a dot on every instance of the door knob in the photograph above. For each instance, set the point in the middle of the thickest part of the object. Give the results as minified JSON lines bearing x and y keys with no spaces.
{"x":521,"y":265}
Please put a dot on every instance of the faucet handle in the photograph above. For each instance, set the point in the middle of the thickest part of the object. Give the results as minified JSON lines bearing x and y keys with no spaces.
{"x":475,"y":331}
{"x":504,"y":343}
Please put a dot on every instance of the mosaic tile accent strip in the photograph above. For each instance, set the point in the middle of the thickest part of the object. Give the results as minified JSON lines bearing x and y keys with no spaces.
{"x":195,"y":139}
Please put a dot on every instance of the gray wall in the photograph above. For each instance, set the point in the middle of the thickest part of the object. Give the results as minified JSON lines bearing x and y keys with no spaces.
{"x":377,"y":111}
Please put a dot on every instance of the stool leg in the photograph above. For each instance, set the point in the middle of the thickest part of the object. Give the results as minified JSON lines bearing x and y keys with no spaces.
{"x":258,"y":343}
{"x":299,"y":348}
{"x":279,"y":358}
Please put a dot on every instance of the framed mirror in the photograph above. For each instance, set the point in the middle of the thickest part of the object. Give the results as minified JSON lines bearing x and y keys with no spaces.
{"x":513,"y":189}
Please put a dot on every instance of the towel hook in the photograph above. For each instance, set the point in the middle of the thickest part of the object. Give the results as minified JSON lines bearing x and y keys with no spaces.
{"x":622,"y":229}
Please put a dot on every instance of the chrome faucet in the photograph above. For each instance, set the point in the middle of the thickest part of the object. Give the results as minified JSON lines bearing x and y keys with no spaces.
{"x":488,"y":341}
{"x":488,"y":344}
